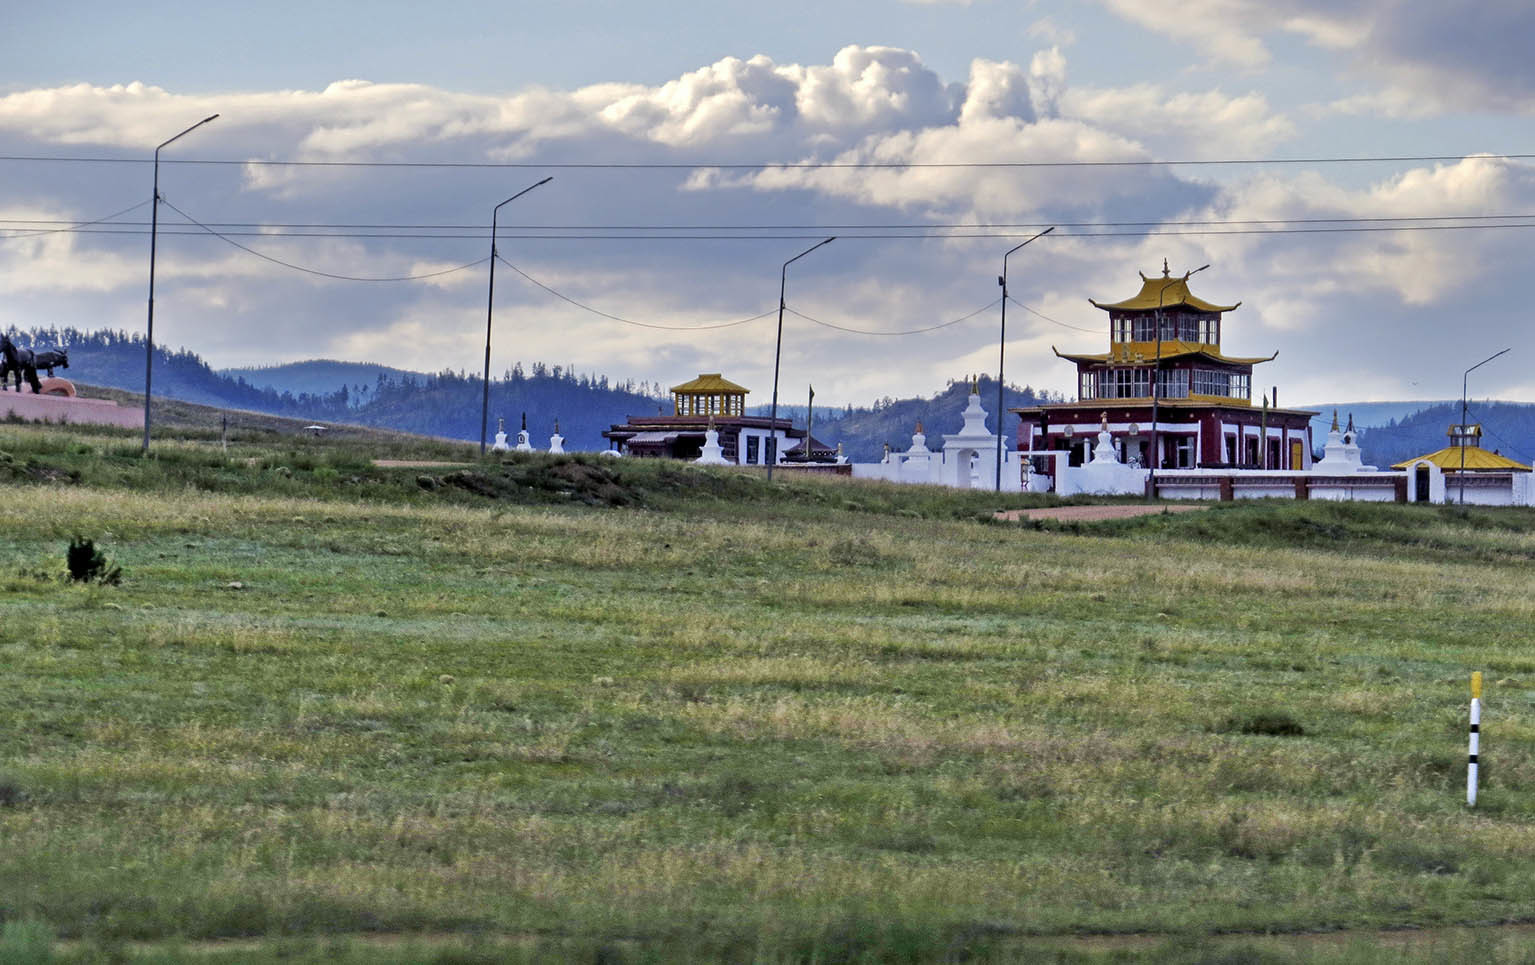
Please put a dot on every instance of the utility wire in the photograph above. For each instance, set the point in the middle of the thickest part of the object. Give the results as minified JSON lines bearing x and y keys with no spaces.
{"x":768,"y":165}
{"x":912,"y":331}
{"x":315,"y":271}
{"x":1035,"y":311}
{"x":1482,"y":418}
{"x":628,"y":321}
{"x":70,"y":226}
{"x":880,"y":236}
{"x":924,"y":226}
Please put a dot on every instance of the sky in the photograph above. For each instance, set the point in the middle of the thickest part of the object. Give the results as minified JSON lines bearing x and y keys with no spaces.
{"x":696,"y":147}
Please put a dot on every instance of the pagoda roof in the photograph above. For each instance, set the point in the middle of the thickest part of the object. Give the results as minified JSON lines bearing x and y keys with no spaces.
{"x":1093,"y":406}
{"x":710,"y":382}
{"x":1163,"y":292}
{"x":1477,"y":460}
{"x":1170,"y":350}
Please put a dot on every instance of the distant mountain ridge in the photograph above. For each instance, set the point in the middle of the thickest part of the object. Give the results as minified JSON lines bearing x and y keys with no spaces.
{"x":317,"y":376}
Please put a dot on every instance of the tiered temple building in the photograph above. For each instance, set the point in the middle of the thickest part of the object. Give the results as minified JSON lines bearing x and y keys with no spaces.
{"x":1167,"y":337}
{"x":711,"y":400}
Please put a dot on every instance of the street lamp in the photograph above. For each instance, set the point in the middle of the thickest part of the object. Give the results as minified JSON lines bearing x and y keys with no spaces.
{"x":783,"y":278}
{"x":154,"y":226}
{"x":1002,"y":348}
{"x":1156,"y":382}
{"x":1466,"y":375}
{"x":490,"y":305}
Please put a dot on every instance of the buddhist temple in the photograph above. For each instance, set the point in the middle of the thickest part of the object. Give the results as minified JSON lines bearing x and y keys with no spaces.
{"x":1165,"y":359}
{"x":711,"y":400}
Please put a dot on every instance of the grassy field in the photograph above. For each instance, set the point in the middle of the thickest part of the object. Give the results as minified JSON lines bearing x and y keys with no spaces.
{"x":612,"y":710}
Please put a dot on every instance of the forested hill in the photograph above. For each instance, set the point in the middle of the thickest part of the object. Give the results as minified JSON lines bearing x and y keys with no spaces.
{"x":1506,"y":426}
{"x":448,"y":403}
{"x":442,"y":404}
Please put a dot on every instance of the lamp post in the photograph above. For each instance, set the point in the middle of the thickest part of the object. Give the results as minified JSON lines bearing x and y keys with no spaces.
{"x":154,"y":226}
{"x":490,"y":306}
{"x":1156,"y":381}
{"x":1463,"y":381}
{"x":783,"y":280}
{"x":1002,"y":349}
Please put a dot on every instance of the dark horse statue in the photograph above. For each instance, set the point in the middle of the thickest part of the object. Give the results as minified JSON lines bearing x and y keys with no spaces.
{"x":51,"y":359}
{"x":19,"y":362}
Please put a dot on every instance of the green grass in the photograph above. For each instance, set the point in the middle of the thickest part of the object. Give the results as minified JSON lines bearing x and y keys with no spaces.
{"x":627,"y":710}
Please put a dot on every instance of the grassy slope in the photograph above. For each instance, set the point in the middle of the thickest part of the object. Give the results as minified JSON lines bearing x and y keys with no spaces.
{"x":729,"y":720}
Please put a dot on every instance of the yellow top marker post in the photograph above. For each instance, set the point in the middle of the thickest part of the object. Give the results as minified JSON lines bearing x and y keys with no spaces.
{"x":1476,"y":685}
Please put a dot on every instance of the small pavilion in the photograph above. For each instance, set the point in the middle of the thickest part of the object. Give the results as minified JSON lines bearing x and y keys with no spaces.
{"x":709,"y":401}
{"x":709,"y":394}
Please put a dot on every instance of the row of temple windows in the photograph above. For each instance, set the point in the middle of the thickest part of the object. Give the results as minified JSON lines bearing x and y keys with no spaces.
{"x":1135,"y":383}
{"x":722,"y":404}
{"x":1176,"y":326}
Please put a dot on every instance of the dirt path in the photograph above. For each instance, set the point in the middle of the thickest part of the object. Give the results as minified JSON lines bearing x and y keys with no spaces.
{"x":413,"y":464}
{"x":1085,"y":514}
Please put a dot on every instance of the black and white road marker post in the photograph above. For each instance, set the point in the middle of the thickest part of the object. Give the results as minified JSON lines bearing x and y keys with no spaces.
{"x":1476,"y":737}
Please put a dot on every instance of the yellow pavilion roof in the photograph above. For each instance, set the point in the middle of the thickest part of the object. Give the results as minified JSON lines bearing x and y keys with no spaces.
{"x":711,"y":382}
{"x":1170,"y":350}
{"x":1164,"y":292}
{"x":1477,"y":459}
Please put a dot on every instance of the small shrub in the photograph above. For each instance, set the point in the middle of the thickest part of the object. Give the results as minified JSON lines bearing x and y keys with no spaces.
{"x":12,"y":794}
{"x":1270,"y":723}
{"x":87,"y":564}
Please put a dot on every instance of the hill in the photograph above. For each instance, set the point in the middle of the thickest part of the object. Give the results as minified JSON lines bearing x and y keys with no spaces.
{"x":319,"y":377}
{"x":445,"y":404}
{"x":1506,"y":426}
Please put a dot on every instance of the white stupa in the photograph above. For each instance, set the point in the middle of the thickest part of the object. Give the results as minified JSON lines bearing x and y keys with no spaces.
{"x":556,"y":441}
{"x":1104,"y":474}
{"x":522,"y":436}
{"x":500,"y":443}
{"x":1341,"y":453}
{"x":712,"y":454}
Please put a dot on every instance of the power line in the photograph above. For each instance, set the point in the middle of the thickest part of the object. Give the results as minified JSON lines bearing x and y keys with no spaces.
{"x":629,"y":321}
{"x":1056,"y":321}
{"x":866,"y":226}
{"x":913,"y":331}
{"x":768,"y":165}
{"x":315,"y":271}
{"x":545,"y":234}
{"x":70,"y":226}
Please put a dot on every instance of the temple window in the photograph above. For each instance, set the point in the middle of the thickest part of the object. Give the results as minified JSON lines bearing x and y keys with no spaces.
{"x":751,"y":450}
{"x":1211,"y":382}
{"x":1183,"y":452}
{"x":1175,"y":384}
{"x":1123,"y":328}
{"x":1211,"y":325}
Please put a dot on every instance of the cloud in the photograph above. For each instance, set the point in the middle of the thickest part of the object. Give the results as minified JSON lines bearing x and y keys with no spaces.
{"x":867,"y":104}
{"x":1426,"y":57}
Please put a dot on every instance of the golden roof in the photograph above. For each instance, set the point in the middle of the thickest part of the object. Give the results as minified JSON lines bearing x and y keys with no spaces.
{"x":710,"y":382}
{"x":1170,"y":350}
{"x":1477,"y":459}
{"x":1162,"y":293}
